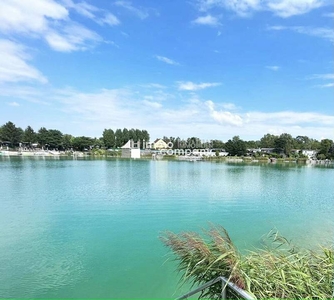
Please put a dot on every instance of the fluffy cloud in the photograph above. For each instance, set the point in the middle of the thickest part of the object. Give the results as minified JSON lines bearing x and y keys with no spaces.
{"x":14,"y":66}
{"x":207,"y":20}
{"x":224,"y":117}
{"x":190,"y":86}
{"x":50,"y":20}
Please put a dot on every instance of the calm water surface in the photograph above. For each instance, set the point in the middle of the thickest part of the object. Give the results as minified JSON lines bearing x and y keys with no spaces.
{"x":90,"y":228}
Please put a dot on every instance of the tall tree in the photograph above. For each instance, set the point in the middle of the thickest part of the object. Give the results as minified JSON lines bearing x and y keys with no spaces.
{"x":54,"y":138}
{"x":302,"y":142}
{"x":126,"y":135}
{"x":42,"y":136}
{"x":29,"y":135}
{"x":119,"y":138}
{"x":325,"y":146}
{"x":236,"y":146}
{"x":132,"y":134}
{"x":284,"y":143}
{"x":268,"y":141}
{"x":10,"y":133}
{"x":108,"y":137}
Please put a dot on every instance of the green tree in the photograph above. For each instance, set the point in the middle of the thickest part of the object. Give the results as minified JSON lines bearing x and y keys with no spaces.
{"x":125,"y":136}
{"x":302,"y":142}
{"x":217,"y":144}
{"x":284,"y":143}
{"x":119,"y":138}
{"x":67,"y":141}
{"x":139,"y":135}
{"x":253,"y":144}
{"x":12,"y":134}
{"x":236,"y":146}
{"x":132,"y":134}
{"x":325,"y":146}
{"x":144,"y":136}
{"x":268,"y":141}
{"x":82,"y":143}
{"x":42,"y":136}
{"x":108,"y":137}
{"x":54,"y":138}
{"x":29,"y":135}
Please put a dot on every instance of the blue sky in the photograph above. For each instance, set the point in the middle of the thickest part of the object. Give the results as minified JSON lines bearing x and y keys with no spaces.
{"x":206,"y":68}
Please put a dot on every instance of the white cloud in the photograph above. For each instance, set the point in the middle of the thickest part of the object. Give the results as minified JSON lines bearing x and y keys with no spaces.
{"x":281,"y":8}
{"x":94,"y":13}
{"x":290,"y":118}
{"x":73,"y":37}
{"x":329,"y":76}
{"x":13,"y":104}
{"x":288,"y":8}
{"x":14,"y":66}
{"x":109,"y":19}
{"x":224,"y":117}
{"x":193,"y":116}
{"x":166,"y":60}
{"x":152,"y":104}
{"x":327,"y":85}
{"x":190,"y":86}
{"x":29,"y":16}
{"x":50,"y":20}
{"x":321,"y":32}
{"x":140,"y":13}
{"x":323,"y":76}
{"x":207,"y":20}
{"x":229,"y":106}
{"x":273,"y":68}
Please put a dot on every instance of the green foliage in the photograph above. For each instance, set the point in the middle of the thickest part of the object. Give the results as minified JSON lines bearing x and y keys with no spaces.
{"x":268,"y":141}
{"x":10,"y":133}
{"x":42,"y":136}
{"x":236,"y":146}
{"x":29,"y":135}
{"x":67,"y":141}
{"x":278,"y":270}
{"x":217,"y":144}
{"x":82,"y":143}
{"x":108,"y":138}
{"x":284,"y":143}
{"x":325,"y":146}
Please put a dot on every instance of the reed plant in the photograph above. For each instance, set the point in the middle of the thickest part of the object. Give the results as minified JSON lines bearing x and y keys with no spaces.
{"x":276,"y":270}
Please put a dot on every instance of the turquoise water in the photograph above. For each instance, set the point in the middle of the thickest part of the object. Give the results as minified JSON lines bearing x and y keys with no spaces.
{"x":90,"y":228}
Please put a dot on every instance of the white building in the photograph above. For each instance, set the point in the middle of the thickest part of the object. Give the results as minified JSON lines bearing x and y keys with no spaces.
{"x":131,"y":150}
{"x":310,"y":153}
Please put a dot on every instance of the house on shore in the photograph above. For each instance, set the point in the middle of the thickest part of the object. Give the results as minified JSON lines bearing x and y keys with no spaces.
{"x":160,"y":144}
{"x":311,"y":154}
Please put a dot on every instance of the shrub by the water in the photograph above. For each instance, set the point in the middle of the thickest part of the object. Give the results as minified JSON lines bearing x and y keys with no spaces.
{"x":278,"y":270}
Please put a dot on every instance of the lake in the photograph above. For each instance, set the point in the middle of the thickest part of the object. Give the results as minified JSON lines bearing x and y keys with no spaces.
{"x":90,"y":228}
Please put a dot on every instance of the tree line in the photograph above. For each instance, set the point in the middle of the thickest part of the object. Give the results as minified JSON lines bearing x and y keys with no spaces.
{"x":282,"y":145}
{"x":55,"y":139}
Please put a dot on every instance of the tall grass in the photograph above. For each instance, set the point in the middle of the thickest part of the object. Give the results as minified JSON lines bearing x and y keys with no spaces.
{"x":277,"y":270}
